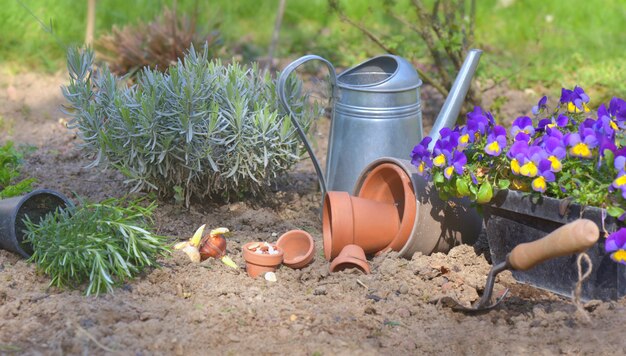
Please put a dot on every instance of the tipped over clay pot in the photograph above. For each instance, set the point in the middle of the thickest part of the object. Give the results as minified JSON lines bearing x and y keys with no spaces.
{"x":390,"y":183}
{"x":427,"y":224}
{"x":351,"y":256}
{"x":298,"y":248}
{"x":260,"y":261}
{"x":368,"y":223}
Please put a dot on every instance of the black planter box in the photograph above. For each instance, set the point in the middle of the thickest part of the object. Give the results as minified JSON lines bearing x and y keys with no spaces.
{"x":513,"y":217}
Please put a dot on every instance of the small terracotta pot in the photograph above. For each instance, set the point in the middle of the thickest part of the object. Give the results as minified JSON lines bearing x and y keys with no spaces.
{"x":352,"y":220}
{"x":257,"y":263}
{"x":298,"y":247}
{"x":351,"y":256}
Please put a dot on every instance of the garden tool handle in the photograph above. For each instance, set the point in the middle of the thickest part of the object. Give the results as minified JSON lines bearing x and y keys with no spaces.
{"x":282,"y":96}
{"x":568,"y":239}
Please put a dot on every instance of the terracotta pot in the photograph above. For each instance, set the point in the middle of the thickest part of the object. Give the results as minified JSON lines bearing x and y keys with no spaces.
{"x":298,"y":247}
{"x":351,"y":256}
{"x":257,"y":263}
{"x":389,"y":183}
{"x":433,"y":225}
{"x":352,"y":220}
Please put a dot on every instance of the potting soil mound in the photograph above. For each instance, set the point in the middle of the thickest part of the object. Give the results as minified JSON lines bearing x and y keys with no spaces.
{"x":184,"y":308}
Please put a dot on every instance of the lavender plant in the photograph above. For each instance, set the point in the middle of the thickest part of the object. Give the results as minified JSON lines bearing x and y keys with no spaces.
{"x":199,"y":129}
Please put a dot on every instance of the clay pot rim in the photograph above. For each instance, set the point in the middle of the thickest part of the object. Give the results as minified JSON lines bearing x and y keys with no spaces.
{"x":409,"y":216}
{"x":301,"y":261}
{"x":262,"y":259}
{"x":347,"y":258}
{"x":341,"y":205}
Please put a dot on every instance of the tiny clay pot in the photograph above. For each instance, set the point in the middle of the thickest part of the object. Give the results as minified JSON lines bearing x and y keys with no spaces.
{"x":298,"y":247}
{"x":260,"y":263}
{"x":351,"y":256}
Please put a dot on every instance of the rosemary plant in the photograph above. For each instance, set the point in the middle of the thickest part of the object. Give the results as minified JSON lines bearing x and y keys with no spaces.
{"x":102,"y":244}
{"x":199,"y":129}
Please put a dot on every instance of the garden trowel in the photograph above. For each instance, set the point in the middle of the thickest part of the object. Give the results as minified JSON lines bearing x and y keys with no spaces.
{"x":574,"y":237}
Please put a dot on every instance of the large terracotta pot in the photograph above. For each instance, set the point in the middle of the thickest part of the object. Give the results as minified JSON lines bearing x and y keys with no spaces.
{"x":428,"y":224}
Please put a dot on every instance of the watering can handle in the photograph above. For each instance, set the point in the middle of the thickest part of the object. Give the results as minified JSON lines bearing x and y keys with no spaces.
{"x":282,"y":96}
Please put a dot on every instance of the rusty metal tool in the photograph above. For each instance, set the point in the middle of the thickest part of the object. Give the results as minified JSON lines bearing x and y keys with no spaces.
{"x":574,"y":237}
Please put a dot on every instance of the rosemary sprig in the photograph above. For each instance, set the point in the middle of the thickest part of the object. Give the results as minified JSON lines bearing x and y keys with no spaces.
{"x":103,"y":244}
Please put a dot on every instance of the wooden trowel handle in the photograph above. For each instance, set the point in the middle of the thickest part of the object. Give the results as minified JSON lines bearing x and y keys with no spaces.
{"x":568,"y":239}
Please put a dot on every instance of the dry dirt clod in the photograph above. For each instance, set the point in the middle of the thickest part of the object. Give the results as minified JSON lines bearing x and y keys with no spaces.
{"x":321,"y":290}
{"x":592,"y":305}
{"x":370,"y":310}
{"x":403,"y":289}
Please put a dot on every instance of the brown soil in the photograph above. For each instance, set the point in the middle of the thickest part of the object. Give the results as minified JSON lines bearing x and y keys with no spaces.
{"x":207,"y":308}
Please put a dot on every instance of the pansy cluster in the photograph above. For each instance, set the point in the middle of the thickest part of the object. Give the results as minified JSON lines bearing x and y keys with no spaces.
{"x":568,"y":151}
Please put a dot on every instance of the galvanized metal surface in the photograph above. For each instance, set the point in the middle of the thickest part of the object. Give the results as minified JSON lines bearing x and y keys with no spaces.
{"x":376,"y":113}
{"x":454,"y":102}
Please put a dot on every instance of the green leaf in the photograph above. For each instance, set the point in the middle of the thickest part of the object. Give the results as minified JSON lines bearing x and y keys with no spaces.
{"x":485,"y":193}
{"x":438,"y":177}
{"x":615,"y":211}
{"x":462,"y":187}
{"x":609,"y":157}
{"x":504,"y":183}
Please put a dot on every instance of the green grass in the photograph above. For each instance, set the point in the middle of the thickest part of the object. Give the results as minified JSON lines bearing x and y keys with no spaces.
{"x":531,"y":42}
{"x":558,"y":44}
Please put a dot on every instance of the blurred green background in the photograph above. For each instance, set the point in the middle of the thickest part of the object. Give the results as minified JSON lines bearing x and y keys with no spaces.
{"x":531,"y":43}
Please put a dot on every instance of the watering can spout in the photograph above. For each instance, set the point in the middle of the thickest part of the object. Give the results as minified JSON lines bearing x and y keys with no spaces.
{"x":454,"y":102}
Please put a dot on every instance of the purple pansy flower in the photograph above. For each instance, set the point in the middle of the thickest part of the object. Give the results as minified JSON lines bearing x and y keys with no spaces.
{"x":617,"y":109}
{"x":605,"y":126}
{"x":517,"y":155}
{"x":582,"y":143}
{"x":457,"y":164}
{"x":477,"y":121}
{"x":522,"y":129}
{"x":544,"y":175}
{"x":576,"y":100}
{"x":420,"y":156}
{"x":444,"y":147}
{"x":535,"y":155}
{"x":496,"y":141}
{"x":620,"y":183}
{"x":615,"y":244}
{"x":619,"y":162}
{"x":561,"y":121}
{"x":555,"y":148}
{"x":525,"y":159}
{"x":465,"y":138}
{"x":541,"y":105}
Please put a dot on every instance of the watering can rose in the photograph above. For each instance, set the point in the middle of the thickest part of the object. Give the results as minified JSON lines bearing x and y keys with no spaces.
{"x":568,"y":151}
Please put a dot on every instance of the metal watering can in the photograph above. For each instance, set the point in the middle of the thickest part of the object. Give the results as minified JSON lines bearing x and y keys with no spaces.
{"x":377,"y":112}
